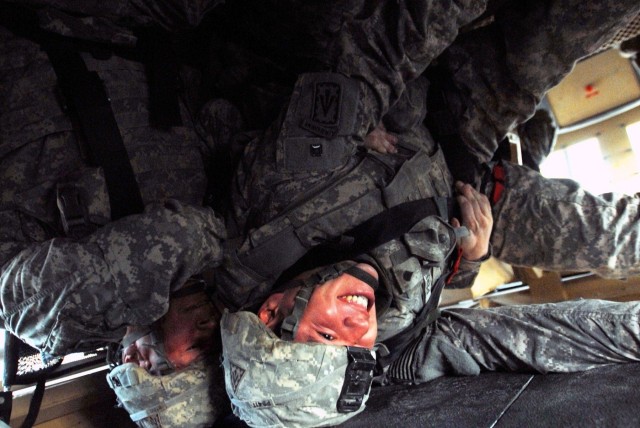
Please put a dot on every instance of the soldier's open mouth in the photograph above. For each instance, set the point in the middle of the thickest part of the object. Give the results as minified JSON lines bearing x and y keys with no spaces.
{"x":358,"y":300}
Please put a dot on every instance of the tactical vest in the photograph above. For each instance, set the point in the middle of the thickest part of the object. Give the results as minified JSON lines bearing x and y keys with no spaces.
{"x":375,"y":184}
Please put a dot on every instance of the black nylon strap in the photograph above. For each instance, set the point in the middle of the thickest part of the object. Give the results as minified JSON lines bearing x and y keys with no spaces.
{"x":379,"y":229}
{"x":87,"y":99}
{"x":395,"y":222}
{"x":392,"y":348}
{"x":363,"y":276}
{"x":36,"y":402}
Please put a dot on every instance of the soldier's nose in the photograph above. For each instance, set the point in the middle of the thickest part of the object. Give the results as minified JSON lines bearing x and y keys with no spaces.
{"x":357,"y":322}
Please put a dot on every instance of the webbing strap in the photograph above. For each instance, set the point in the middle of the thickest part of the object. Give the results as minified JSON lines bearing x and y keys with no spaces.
{"x":395,"y":222}
{"x":36,"y":402}
{"x":379,"y":229}
{"x":389,"y":350}
{"x":363,"y":276}
{"x":87,"y":99}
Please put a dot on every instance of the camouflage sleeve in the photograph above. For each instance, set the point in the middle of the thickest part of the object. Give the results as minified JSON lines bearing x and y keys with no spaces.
{"x":500,"y":72}
{"x":155,"y":252}
{"x":556,"y":225}
{"x":563,"y":337}
{"x":466,"y":274}
{"x":122,"y":273}
{"x":387,"y":44}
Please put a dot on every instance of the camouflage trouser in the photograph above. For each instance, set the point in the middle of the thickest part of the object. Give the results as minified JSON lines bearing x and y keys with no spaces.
{"x":556,"y":225}
{"x":551,"y":338}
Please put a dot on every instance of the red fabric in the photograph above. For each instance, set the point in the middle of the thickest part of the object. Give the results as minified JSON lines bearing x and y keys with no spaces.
{"x":498,"y":183}
{"x":456,"y":266}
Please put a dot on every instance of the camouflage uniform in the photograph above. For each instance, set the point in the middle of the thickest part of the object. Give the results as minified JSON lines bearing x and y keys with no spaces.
{"x":284,"y":192}
{"x":310,"y":176}
{"x":61,"y":294}
{"x":500,"y":72}
{"x":550,"y":338}
{"x":565,"y":228}
{"x":497,"y":75}
{"x":281,"y":186}
{"x":571,"y":229}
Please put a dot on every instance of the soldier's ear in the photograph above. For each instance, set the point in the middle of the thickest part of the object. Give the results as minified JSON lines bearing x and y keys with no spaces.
{"x":269,"y":313}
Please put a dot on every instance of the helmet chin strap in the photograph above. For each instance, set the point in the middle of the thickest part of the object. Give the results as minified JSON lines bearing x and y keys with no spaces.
{"x":289,"y":326}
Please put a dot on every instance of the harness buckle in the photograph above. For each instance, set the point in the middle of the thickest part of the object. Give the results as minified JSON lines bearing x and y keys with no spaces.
{"x":73,"y":212}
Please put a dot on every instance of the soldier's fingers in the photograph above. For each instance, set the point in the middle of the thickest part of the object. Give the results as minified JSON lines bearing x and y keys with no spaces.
{"x":467,"y":212}
{"x":479,"y":202}
{"x":392,"y":139}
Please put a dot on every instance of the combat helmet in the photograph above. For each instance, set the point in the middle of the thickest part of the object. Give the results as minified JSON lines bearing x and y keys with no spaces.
{"x":184,"y":398}
{"x":276,"y":383}
{"x":191,"y":397}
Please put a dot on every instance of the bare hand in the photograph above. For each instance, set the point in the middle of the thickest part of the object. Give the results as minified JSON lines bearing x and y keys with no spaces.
{"x":476,"y":216}
{"x":380,"y":140}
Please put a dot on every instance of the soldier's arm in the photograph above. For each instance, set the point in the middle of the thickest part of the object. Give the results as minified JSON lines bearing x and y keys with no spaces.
{"x":387,"y":44}
{"x":138,"y":259}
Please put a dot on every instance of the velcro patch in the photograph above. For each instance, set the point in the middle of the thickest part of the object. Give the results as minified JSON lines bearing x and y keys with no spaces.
{"x":325,"y":112}
{"x":236,"y":376}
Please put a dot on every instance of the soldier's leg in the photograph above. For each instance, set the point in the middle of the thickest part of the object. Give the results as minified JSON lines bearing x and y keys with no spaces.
{"x":551,"y":338}
{"x":556,"y":225}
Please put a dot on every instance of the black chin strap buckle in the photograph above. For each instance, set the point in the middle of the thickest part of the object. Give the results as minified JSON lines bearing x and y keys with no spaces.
{"x":357,"y":379}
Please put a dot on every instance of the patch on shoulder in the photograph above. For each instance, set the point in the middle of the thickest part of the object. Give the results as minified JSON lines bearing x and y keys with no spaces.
{"x":237,"y":374}
{"x":325,"y":112}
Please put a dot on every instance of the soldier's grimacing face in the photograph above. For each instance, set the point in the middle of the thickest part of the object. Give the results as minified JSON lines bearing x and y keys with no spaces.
{"x":341,"y":312}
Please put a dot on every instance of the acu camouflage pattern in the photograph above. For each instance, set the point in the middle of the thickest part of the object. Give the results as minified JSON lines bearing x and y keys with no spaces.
{"x":190,"y":398}
{"x":565,"y":227}
{"x":113,"y":21}
{"x":381,"y":44}
{"x":274,"y":383}
{"x":62,"y":295}
{"x":492,"y":91}
{"x":500,"y":72}
{"x":56,"y":292}
{"x":561,"y":337}
{"x":311,"y":203}
{"x":538,"y":136}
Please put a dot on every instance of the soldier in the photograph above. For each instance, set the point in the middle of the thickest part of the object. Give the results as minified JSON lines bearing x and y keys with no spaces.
{"x":386,"y":297}
{"x":310,"y":182}
{"x":101,"y":216}
{"x":505,"y":98}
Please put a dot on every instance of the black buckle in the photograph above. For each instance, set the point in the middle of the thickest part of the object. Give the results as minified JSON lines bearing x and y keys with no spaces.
{"x":357,"y":379}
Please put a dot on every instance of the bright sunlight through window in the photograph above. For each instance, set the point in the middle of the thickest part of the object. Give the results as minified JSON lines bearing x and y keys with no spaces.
{"x":582,"y":162}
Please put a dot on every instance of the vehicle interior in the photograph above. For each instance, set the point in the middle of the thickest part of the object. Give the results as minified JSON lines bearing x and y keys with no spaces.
{"x":597,"y":112}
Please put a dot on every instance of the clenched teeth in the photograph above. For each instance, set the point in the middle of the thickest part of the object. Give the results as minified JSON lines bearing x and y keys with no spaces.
{"x":358,"y":300}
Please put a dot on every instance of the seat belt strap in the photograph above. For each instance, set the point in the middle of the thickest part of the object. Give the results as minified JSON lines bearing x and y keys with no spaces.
{"x":389,"y":224}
